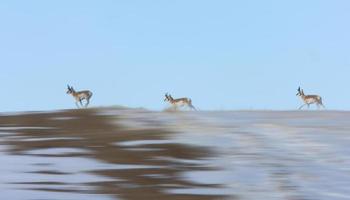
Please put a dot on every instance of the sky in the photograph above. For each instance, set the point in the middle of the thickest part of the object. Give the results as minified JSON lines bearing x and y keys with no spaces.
{"x":222,"y":54}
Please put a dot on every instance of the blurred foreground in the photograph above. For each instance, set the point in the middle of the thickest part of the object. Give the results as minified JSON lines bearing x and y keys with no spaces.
{"x":135,"y":154}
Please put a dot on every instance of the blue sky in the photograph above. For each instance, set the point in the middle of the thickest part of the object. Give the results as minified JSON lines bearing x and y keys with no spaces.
{"x":223,"y":54}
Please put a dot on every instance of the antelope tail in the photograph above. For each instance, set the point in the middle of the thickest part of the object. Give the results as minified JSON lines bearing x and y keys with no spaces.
{"x":320,"y":101}
{"x":90,"y":94}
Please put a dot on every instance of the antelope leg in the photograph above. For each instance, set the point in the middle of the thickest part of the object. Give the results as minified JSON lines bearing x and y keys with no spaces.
{"x":87,"y":103}
{"x":301,"y":106}
{"x":81,"y":103}
{"x":191,"y":106}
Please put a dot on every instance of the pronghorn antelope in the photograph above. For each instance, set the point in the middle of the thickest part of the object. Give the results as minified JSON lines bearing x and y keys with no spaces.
{"x":80,"y":96}
{"x":309,"y":99}
{"x":179,"y":102}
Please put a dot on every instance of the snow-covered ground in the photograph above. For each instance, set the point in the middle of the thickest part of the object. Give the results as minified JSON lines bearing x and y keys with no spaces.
{"x":268,"y":155}
{"x":274,"y":155}
{"x":177,"y":155}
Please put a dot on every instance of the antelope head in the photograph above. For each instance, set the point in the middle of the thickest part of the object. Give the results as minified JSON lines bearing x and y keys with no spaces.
{"x":70,"y":89}
{"x":299,"y":92}
{"x":166,"y":97}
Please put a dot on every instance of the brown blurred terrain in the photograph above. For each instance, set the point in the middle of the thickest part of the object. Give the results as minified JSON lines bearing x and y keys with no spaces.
{"x":140,"y":173}
{"x":118,"y":153}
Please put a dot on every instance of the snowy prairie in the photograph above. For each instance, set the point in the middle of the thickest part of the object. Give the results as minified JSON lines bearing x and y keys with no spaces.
{"x":115,"y":153}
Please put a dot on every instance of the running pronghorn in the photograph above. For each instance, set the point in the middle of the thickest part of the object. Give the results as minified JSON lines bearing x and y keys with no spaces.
{"x":80,"y":96}
{"x":179,"y":102}
{"x":309,"y":99}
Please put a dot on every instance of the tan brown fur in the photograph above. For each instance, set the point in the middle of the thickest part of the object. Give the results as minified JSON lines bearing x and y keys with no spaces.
{"x":179,"y":101}
{"x":79,"y":96}
{"x":309,"y":99}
